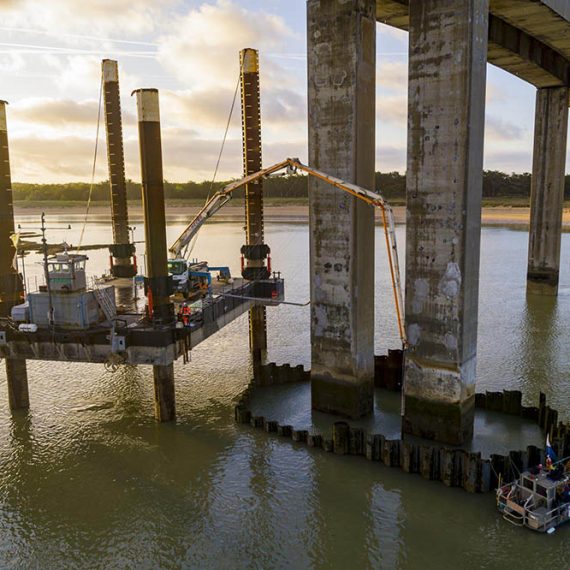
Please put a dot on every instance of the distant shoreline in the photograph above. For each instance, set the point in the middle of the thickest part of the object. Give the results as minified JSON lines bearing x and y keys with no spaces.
{"x":492,"y":216}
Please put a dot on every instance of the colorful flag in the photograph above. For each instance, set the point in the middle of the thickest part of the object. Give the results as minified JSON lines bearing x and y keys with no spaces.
{"x":549,"y":451}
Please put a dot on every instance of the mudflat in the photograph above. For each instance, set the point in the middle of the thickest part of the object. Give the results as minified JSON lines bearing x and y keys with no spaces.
{"x":491,"y":216}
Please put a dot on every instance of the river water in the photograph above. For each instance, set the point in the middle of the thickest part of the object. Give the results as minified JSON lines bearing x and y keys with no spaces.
{"x":89,"y":480}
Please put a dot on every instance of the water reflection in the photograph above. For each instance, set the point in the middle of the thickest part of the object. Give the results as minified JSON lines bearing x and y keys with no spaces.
{"x":537,"y":362}
{"x":89,"y":480}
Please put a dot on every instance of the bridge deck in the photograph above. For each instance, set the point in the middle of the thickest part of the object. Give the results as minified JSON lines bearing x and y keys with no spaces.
{"x":528,"y":38}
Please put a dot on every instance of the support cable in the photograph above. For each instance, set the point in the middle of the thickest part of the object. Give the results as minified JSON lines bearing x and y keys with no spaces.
{"x":189,"y":248}
{"x":93,"y":168}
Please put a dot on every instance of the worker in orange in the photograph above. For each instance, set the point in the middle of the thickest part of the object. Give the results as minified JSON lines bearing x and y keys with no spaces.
{"x":184,"y":314}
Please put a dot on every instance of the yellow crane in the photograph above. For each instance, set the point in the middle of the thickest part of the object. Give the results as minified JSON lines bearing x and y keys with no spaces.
{"x":292,"y":166}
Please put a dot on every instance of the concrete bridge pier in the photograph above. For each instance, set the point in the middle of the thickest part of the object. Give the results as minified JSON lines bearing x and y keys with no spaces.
{"x":341,"y":49}
{"x":446,"y":98}
{"x":160,"y":308}
{"x":547,"y":190}
{"x":11,"y":286}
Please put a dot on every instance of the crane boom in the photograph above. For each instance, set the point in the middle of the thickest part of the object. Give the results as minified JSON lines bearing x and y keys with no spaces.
{"x":219,"y":199}
{"x":223,"y":196}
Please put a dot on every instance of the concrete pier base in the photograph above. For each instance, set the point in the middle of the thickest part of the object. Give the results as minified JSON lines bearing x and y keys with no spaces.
{"x":164,"y":394}
{"x":547,"y":190}
{"x":446,"y":99}
{"x":17,"y":380}
{"x":441,"y":421}
{"x":341,"y":67}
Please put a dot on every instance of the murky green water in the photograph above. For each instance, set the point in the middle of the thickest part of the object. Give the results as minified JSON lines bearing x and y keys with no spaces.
{"x":89,"y":480}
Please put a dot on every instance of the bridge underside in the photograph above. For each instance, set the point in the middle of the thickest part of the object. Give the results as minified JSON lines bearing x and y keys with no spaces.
{"x":527,"y":38}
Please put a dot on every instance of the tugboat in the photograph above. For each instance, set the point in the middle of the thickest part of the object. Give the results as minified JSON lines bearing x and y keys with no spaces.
{"x":540,"y":498}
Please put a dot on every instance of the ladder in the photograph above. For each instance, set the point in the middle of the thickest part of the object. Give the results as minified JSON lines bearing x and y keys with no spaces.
{"x":109,"y":310}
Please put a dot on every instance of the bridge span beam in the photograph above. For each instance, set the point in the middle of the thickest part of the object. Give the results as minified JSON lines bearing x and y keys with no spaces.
{"x":341,"y":69}
{"x":547,"y":190}
{"x":446,"y":99}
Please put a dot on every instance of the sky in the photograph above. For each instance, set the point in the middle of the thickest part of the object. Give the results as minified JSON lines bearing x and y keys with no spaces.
{"x":50,"y":64}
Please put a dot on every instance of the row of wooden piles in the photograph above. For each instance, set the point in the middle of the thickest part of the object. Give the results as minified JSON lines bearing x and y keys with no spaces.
{"x":454,"y":467}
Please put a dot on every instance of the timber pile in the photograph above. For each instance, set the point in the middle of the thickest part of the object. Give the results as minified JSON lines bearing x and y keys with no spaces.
{"x":454,"y":467}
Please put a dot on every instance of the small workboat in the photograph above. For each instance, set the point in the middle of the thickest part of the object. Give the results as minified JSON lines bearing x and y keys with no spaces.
{"x":540,"y":498}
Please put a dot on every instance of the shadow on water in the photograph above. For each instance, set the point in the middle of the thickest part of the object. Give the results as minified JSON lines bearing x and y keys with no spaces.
{"x":88,"y":480}
{"x":538,"y":346}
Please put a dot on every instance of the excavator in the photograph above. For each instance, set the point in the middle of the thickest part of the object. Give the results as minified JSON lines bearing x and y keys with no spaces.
{"x":293,"y":166}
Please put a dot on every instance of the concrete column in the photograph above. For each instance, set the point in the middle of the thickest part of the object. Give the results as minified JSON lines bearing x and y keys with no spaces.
{"x":446,"y":113}
{"x":11,"y":285}
{"x":122,"y":265}
{"x":547,"y":190}
{"x":161,"y":310}
{"x":341,"y":69}
{"x":164,"y":396}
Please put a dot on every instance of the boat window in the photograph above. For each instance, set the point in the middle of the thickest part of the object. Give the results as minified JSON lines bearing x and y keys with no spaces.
{"x":541,"y":490}
{"x":528,"y":484}
{"x":176,"y":267}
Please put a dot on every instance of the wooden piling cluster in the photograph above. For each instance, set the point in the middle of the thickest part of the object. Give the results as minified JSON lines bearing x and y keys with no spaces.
{"x":271,"y":374}
{"x":510,"y":402}
{"x":452,"y":466}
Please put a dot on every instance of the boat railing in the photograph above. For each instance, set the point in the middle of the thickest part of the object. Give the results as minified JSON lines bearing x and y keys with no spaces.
{"x":550,"y":519}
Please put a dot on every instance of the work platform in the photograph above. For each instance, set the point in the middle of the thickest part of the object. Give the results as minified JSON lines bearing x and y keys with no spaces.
{"x":132,"y":339}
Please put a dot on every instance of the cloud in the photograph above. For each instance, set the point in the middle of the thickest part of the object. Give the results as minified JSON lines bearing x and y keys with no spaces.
{"x":390,"y":158}
{"x":60,"y":112}
{"x":95,"y":16}
{"x":498,"y":129}
{"x":508,"y":161}
{"x":392,"y":75}
{"x":202,"y":47}
{"x":393,"y":109}
{"x":42,"y":159}
{"x":209,"y":108}
{"x":11,"y":62}
{"x":494,"y":93}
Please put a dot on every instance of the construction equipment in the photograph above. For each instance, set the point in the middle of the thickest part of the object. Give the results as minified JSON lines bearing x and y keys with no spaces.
{"x":292,"y":166}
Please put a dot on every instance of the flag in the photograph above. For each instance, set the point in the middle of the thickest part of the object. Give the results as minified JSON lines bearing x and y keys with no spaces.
{"x":549,"y":451}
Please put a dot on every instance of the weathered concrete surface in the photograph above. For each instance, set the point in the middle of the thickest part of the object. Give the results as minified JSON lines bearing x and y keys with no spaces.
{"x":164,"y":396}
{"x":446,"y":99}
{"x":547,"y":190}
{"x":341,"y":65}
{"x":10,"y":282}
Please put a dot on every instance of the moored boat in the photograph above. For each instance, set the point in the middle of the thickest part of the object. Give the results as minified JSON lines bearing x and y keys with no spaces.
{"x":540,"y":498}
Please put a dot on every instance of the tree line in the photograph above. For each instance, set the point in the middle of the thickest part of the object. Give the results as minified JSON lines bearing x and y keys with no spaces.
{"x":391,"y":185}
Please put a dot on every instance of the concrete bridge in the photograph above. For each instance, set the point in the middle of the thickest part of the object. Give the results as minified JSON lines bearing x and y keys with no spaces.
{"x":451,"y":42}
